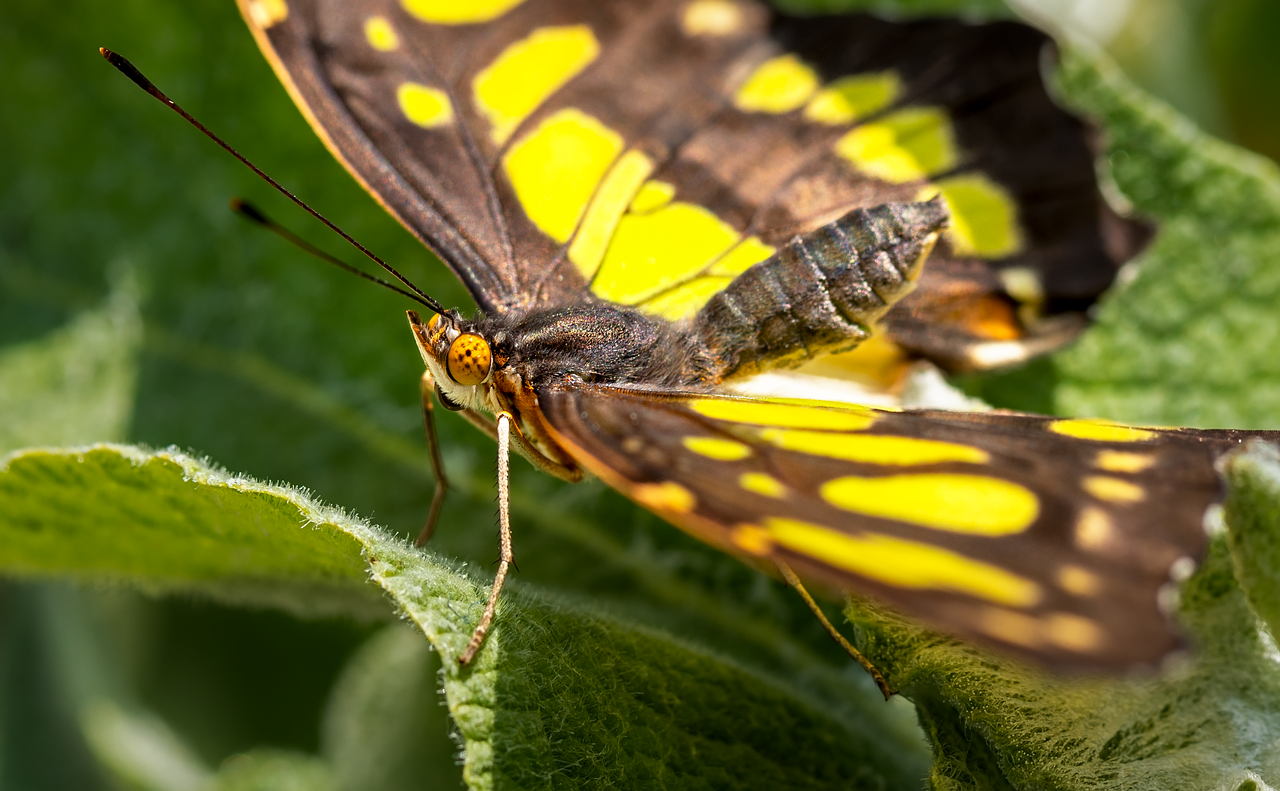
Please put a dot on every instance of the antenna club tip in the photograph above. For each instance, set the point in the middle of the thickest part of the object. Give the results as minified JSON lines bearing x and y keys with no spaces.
{"x":129,"y":70}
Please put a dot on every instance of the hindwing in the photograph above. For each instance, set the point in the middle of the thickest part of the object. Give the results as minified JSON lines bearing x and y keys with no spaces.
{"x":647,"y":153}
{"x":1049,"y":538}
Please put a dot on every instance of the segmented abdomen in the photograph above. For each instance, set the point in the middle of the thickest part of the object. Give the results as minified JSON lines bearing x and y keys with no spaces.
{"x":821,"y":292}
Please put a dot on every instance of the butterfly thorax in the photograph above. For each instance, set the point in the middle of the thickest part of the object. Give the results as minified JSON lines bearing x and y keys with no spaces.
{"x":598,"y":342}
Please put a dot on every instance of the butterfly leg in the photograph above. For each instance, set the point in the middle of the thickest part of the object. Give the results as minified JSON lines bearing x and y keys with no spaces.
{"x":505,"y":557}
{"x":794,"y":581}
{"x":427,"y":386}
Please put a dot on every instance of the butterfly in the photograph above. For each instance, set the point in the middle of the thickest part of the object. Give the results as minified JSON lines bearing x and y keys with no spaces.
{"x":687,"y":223}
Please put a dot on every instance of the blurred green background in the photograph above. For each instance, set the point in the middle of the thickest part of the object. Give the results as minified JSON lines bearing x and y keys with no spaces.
{"x":104,"y":193}
{"x":1216,"y":61}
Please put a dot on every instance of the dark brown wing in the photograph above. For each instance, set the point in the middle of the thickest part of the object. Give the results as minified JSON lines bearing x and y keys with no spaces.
{"x":1051,"y":539}
{"x":646,"y":153}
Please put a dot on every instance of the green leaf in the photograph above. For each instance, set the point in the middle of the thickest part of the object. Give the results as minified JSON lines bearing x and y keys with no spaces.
{"x":77,"y":384}
{"x":1253,"y":512}
{"x":113,"y":513}
{"x":644,"y":707}
{"x":273,"y":770}
{"x":140,"y":750}
{"x":386,"y":727}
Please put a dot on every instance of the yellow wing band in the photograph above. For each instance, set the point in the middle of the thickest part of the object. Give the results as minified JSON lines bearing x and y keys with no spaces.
{"x":971,"y":504}
{"x":904,"y":564}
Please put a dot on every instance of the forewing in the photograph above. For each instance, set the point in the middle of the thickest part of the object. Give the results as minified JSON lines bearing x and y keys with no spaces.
{"x":648,"y":152}
{"x":1051,"y":539}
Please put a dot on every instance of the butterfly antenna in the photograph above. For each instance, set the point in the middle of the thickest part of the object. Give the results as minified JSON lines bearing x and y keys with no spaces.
{"x":131,"y":71}
{"x":251,"y":213}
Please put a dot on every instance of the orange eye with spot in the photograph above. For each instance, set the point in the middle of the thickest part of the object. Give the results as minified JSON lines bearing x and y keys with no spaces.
{"x":469,"y":359}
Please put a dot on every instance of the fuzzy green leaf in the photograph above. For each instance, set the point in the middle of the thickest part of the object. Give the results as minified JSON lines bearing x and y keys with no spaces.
{"x":1253,"y":512}
{"x":643,"y":706}
{"x":166,"y":523}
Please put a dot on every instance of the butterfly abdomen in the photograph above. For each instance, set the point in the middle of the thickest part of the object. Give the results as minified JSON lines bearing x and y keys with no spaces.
{"x":822,"y":292}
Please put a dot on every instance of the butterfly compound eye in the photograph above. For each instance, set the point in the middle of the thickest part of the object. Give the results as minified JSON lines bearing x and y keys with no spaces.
{"x":469,"y":359}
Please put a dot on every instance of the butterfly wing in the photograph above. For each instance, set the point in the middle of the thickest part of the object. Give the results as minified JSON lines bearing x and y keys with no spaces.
{"x":1051,"y":539}
{"x":646,"y":153}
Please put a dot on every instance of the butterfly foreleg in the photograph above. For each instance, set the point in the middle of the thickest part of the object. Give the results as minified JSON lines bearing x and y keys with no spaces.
{"x":505,"y":557}
{"x":876,"y":675}
{"x":427,"y":386}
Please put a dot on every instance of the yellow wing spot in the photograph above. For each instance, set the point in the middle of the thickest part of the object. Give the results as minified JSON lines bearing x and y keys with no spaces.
{"x":665,"y":496}
{"x":717,"y":448}
{"x":984,"y":217}
{"x":424,"y":106}
{"x":779,"y":85}
{"x":686,"y":299}
{"x":1079,"y":581}
{"x":1113,"y":490}
{"x":970,"y":504}
{"x":530,"y":70}
{"x":748,"y":253}
{"x":1121,"y":461}
{"x":455,"y":12}
{"x":1094,"y":529}
{"x":1100,"y":431}
{"x":874,"y":449}
{"x":849,"y":99}
{"x":652,"y":195}
{"x":380,"y":34}
{"x":1074,"y":632}
{"x":771,"y":413}
{"x":711,"y":18}
{"x":601,"y":220}
{"x":904,"y":564}
{"x":752,"y":539}
{"x":762,"y":483}
{"x":266,"y":13}
{"x":1023,"y":284}
{"x":904,"y":146}
{"x":653,"y":251}
{"x":555,"y":168}
{"x":1014,"y":628}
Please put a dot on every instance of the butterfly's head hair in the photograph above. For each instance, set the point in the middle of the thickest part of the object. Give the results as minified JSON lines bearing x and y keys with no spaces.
{"x":460,"y":360}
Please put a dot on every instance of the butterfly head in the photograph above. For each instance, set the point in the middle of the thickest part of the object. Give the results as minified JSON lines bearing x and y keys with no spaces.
{"x":459,"y":358}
